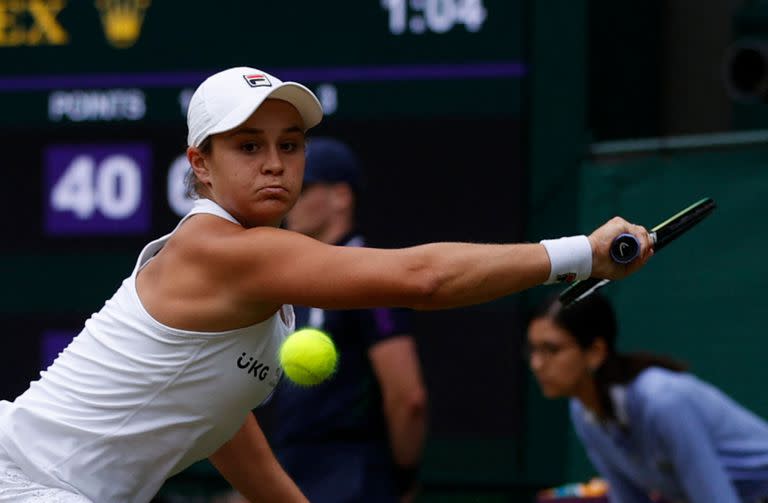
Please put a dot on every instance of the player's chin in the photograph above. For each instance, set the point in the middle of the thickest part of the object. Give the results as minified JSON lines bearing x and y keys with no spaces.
{"x":270,"y":211}
{"x":283,"y":202}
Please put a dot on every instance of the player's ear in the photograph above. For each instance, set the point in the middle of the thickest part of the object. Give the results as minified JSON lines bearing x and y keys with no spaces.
{"x":197,"y":160}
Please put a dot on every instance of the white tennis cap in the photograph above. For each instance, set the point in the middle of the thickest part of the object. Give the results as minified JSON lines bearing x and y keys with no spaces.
{"x":226,"y":99}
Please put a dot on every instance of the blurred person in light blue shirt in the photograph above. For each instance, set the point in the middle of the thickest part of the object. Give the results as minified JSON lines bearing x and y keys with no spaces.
{"x":649,"y":427}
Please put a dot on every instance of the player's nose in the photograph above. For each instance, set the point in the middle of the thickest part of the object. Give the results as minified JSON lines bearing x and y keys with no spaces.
{"x":273,"y":164}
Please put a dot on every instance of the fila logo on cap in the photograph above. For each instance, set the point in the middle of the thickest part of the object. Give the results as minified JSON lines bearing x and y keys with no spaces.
{"x":257,"y":80}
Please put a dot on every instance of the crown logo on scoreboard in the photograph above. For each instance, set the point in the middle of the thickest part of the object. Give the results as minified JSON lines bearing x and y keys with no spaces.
{"x":122,"y":20}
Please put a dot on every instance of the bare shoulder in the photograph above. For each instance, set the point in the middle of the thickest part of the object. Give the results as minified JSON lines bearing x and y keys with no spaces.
{"x":201,"y":233}
{"x":208,"y":274}
{"x":241,"y":261}
{"x":219,"y":243}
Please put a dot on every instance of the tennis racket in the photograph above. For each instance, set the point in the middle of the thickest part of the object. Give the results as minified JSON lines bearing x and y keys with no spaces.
{"x":625,"y":248}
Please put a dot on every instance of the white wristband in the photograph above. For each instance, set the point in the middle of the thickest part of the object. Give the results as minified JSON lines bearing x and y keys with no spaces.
{"x":570,"y":258}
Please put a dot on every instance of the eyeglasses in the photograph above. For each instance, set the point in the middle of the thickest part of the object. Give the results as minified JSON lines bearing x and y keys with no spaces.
{"x":546,"y":350}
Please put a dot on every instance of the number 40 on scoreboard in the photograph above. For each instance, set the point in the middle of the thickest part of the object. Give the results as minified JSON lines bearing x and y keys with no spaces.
{"x":97,"y":189}
{"x":105,"y":189}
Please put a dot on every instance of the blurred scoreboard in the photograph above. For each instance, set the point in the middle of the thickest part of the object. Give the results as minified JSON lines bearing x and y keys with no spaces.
{"x":94,"y":95}
{"x":133,"y":61}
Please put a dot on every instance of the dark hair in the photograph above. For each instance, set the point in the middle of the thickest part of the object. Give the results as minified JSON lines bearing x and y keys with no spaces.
{"x":594,"y":318}
{"x":586,"y":320}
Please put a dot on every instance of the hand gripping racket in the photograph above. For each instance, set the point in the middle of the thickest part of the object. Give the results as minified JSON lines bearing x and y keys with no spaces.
{"x":625,"y":248}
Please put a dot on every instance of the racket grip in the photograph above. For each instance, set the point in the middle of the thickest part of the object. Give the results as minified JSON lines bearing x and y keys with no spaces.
{"x":625,"y":248}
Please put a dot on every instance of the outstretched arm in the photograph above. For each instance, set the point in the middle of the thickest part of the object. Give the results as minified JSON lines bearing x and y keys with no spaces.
{"x":275,"y":266}
{"x":247,"y":462}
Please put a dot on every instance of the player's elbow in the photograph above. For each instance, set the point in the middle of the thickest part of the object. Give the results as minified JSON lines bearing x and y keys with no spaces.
{"x":425,"y":279}
{"x":424,"y":285}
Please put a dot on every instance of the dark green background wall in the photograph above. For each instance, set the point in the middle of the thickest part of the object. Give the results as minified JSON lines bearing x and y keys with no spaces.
{"x":558,"y":135}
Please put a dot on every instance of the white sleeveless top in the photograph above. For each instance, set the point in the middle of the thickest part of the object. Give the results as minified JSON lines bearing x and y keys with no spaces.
{"x":131,"y":401}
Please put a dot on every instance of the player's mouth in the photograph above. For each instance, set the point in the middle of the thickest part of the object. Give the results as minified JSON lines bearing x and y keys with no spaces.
{"x":273,"y":190}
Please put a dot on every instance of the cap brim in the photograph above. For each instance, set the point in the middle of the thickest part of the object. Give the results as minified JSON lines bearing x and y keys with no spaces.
{"x":303,"y":99}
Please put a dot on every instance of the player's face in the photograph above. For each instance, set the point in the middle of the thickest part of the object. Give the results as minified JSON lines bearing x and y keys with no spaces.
{"x":255,"y":171}
{"x":314,"y":211}
{"x":560,"y":365}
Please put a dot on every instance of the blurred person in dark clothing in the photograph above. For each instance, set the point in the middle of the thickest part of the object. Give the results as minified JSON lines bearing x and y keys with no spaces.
{"x":359,"y":436}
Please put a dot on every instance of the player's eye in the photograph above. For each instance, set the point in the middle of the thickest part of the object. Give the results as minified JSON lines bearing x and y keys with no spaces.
{"x":250,"y":147}
{"x":289,"y":146}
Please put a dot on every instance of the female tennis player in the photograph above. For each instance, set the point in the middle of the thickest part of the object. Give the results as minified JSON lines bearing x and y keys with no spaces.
{"x":647,"y":425}
{"x":167,"y":372}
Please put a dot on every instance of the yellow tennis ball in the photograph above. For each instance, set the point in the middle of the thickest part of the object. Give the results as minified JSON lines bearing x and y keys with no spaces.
{"x":308,"y":356}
